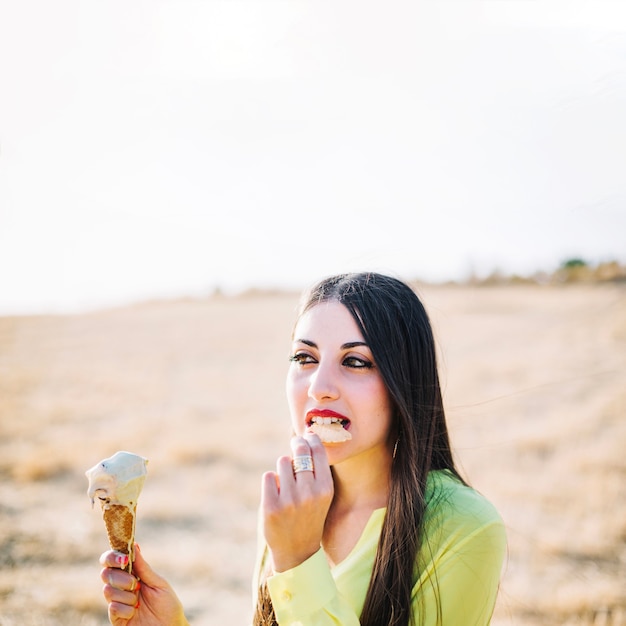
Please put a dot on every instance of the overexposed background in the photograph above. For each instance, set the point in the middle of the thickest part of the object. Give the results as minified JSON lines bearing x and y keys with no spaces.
{"x":166,"y":148}
{"x":154,"y":149}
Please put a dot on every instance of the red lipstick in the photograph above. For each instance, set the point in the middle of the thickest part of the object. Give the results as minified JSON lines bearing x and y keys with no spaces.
{"x":326,"y":413}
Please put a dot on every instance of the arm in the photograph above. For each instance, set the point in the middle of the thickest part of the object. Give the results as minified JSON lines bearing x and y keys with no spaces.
{"x":145,"y":599}
{"x":462,"y":582}
{"x":294,"y":509}
{"x":295,"y":602}
{"x":458,"y":586}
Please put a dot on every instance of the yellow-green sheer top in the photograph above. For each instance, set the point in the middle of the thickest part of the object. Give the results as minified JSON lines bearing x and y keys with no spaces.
{"x":457,"y":569}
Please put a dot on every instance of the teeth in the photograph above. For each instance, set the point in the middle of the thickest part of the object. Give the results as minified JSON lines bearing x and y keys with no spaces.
{"x":325,"y":420}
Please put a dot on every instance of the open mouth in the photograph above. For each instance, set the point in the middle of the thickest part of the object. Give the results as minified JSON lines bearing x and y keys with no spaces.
{"x":330,"y":429}
{"x":327,"y":421}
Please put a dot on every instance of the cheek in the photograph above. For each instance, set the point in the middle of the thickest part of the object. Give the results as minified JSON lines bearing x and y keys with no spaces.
{"x":384,"y":404}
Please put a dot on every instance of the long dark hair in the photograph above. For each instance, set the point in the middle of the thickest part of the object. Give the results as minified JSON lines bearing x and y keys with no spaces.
{"x":396,"y":327}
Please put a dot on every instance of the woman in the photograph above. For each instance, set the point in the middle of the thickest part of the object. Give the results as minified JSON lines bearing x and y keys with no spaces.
{"x":374,"y":525}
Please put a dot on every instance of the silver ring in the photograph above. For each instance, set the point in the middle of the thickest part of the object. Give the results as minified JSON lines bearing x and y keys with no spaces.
{"x":302,"y":464}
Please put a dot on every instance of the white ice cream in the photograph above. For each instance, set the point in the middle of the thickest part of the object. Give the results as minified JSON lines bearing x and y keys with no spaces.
{"x":118,"y":479}
{"x":329,"y":431}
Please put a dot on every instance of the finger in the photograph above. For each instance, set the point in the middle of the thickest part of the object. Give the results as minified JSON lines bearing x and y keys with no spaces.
{"x":315,"y":445}
{"x":120,"y":596}
{"x":120,"y":613}
{"x":287,"y":481}
{"x":300,"y":446}
{"x":113,"y":558}
{"x":119,"y":579}
{"x":303,"y":466}
{"x":320,"y":457}
{"x":270,"y":485}
{"x":270,"y":491}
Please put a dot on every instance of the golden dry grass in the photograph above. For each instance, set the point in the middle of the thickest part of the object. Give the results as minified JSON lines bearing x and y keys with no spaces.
{"x":535,"y":387}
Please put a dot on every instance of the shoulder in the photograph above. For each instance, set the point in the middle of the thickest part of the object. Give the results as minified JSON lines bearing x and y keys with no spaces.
{"x":463,"y":547}
{"x":458,"y":513}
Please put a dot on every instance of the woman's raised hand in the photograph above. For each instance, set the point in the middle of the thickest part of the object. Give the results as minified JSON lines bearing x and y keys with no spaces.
{"x":295,"y":503}
{"x":142,"y":599}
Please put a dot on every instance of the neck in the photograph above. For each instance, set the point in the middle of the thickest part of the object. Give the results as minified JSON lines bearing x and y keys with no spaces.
{"x":362,"y":483}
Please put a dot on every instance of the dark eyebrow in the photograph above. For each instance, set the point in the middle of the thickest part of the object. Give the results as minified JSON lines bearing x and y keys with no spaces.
{"x":353,"y":344}
{"x":345,"y":346}
{"x":306,"y":342}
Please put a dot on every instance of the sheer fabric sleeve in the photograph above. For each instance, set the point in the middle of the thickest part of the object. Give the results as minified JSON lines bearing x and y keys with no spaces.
{"x":461,"y":584}
{"x":307,"y":595}
{"x":456,"y":578}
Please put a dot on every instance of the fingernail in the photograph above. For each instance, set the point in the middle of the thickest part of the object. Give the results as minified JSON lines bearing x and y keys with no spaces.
{"x":122,"y":559}
{"x":137,"y":605}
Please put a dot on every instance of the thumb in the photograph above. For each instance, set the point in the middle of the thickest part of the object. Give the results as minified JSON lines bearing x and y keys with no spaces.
{"x":144,"y":572}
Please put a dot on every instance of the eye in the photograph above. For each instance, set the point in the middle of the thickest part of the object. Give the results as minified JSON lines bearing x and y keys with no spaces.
{"x":302,"y":358}
{"x":356,"y":362}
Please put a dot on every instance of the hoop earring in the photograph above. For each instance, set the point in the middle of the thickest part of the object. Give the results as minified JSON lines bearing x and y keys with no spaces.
{"x":395,"y":447}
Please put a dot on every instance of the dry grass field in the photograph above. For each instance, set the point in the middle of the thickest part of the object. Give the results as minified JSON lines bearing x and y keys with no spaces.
{"x":535,"y":387}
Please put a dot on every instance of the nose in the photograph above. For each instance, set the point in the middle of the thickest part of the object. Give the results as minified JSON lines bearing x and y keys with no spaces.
{"x":323,"y":383}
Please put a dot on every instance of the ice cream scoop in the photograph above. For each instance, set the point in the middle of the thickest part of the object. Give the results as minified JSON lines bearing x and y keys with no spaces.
{"x":117,"y":482}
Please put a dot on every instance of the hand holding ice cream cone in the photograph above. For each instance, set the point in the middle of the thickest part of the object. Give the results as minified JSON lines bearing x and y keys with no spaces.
{"x":140,"y":599}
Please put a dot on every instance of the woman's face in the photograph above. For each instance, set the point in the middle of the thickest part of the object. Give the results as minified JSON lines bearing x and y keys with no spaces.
{"x":333,"y":375}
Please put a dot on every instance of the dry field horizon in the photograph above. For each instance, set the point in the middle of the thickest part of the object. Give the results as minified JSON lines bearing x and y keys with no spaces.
{"x":534,"y":381}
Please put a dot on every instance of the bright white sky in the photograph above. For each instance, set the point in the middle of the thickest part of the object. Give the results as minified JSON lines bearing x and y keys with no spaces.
{"x":163,"y":148}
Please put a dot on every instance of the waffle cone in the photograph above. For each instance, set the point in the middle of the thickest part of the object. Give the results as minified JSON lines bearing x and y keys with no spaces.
{"x":120,"y":525}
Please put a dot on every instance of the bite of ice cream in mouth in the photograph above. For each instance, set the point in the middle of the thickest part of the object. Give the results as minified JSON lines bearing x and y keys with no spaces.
{"x":330,"y":429}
